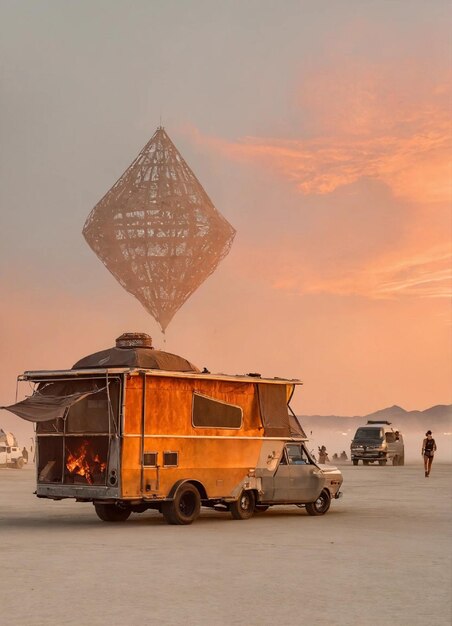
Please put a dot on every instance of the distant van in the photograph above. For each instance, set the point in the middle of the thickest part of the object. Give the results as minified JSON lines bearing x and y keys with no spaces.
{"x":377,"y":442}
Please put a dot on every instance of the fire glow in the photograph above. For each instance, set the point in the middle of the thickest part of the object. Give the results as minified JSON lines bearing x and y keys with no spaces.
{"x":84,"y":462}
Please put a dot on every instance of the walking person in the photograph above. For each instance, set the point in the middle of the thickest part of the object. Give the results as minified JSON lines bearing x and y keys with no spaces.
{"x":428,"y":451}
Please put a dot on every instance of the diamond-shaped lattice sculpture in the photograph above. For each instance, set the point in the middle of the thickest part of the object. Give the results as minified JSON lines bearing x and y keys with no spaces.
{"x":157,"y":230}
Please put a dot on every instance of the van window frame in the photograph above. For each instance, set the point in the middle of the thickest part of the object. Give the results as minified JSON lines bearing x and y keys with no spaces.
{"x":229,"y":404}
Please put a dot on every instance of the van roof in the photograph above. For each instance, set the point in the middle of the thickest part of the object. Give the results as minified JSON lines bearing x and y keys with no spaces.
{"x":38,"y":375}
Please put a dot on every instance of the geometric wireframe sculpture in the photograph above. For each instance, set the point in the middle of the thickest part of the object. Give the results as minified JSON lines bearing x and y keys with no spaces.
{"x":157,"y":231}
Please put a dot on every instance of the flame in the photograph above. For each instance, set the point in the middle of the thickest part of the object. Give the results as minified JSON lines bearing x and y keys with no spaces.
{"x":83,"y":462}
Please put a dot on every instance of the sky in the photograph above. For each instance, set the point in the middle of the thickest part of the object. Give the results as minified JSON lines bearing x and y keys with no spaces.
{"x":320,"y":130}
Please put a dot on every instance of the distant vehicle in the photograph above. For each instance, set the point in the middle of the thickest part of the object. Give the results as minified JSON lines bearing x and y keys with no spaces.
{"x":10,"y":454}
{"x":377,"y":442}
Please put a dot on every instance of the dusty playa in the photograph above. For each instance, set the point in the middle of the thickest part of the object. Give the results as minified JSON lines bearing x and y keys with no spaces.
{"x":382,"y":554}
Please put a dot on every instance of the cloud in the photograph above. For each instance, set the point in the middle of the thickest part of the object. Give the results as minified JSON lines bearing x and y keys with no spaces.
{"x":355,"y":121}
{"x":428,"y":276}
{"x":391,"y":124}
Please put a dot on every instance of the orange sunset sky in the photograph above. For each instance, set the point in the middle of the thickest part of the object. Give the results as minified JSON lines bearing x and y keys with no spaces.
{"x":320,"y":130}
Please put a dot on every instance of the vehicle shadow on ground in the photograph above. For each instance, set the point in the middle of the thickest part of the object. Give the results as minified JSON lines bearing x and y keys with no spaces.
{"x":137,"y":520}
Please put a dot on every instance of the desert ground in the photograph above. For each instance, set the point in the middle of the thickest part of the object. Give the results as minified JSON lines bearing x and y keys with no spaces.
{"x":382,"y":554}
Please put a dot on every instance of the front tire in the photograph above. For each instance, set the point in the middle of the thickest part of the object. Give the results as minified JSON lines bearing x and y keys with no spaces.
{"x":184,"y":508}
{"x":321,"y":505}
{"x":243,"y":507}
{"x":111,"y":513}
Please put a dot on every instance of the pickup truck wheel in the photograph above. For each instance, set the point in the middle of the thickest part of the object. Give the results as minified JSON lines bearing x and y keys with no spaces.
{"x":355,"y":461}
{"x":111,"y":513}
{"x":321,"y":505}
{"x":243,"y":508}
{"x":184,"y":508}
{"x":19,"y":463}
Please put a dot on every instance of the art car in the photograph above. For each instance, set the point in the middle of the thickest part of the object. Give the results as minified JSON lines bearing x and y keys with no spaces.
{"x":132,"y":428}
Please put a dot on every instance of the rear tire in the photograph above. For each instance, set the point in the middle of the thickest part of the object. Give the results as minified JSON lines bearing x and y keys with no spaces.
{"x":184,"y":508}
{"x":111,"y":513}
{"x":321,"y":505}
{"x":243,"y":507}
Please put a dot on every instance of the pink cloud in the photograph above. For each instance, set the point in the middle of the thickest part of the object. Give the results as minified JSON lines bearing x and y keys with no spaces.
{"x":391,"y":124}
{"x":386,"y":123}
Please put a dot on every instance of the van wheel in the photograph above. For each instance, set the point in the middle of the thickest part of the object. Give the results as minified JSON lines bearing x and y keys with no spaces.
{"x":321,"y":505}
{"x":19,"y":463}
{"x":184,"y":508}
{"x":111,"y":513}
{"x":402,"y":460}
{"x":243,"y":508}
{"x":355,"y":461}
{"x":395,"y":460}
{"x":261,"y":508}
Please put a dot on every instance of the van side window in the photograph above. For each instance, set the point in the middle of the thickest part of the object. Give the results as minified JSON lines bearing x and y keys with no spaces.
{"x":211,"y":413}
{"x":297,"y":455}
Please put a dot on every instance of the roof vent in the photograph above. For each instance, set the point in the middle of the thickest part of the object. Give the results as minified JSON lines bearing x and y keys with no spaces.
{"x":134,"y":340}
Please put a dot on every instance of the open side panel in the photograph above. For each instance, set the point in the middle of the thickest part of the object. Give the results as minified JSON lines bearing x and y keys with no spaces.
{"x":75,"y":448}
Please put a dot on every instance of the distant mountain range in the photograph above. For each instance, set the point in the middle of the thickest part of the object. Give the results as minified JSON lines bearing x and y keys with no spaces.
{"x":436,"y":417}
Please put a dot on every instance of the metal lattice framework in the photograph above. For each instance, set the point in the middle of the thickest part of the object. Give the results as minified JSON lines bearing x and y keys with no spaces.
{"x":157,"y":231}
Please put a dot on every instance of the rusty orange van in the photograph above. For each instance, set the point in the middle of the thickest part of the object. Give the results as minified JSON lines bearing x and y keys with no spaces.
{"x":133,"y":428}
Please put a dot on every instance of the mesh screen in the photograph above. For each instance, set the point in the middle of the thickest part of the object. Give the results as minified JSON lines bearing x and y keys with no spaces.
{"x":157,"y":231}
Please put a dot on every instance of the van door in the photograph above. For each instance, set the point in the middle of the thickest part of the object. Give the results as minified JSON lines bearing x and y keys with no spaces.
{"x":278,"y":486}
{"x":306,"y":479}
{"x":297,"y":478}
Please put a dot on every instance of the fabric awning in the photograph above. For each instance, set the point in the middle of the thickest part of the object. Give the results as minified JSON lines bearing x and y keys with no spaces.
{"x":296,"y":429}
{"x":273,"y":409}
{"x":44,"y":405}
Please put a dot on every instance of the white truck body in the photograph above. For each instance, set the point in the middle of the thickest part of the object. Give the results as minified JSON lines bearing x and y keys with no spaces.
{"x":10,"y":453}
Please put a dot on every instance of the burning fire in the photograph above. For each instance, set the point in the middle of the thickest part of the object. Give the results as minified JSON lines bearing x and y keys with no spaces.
{"x":83,"y":462}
